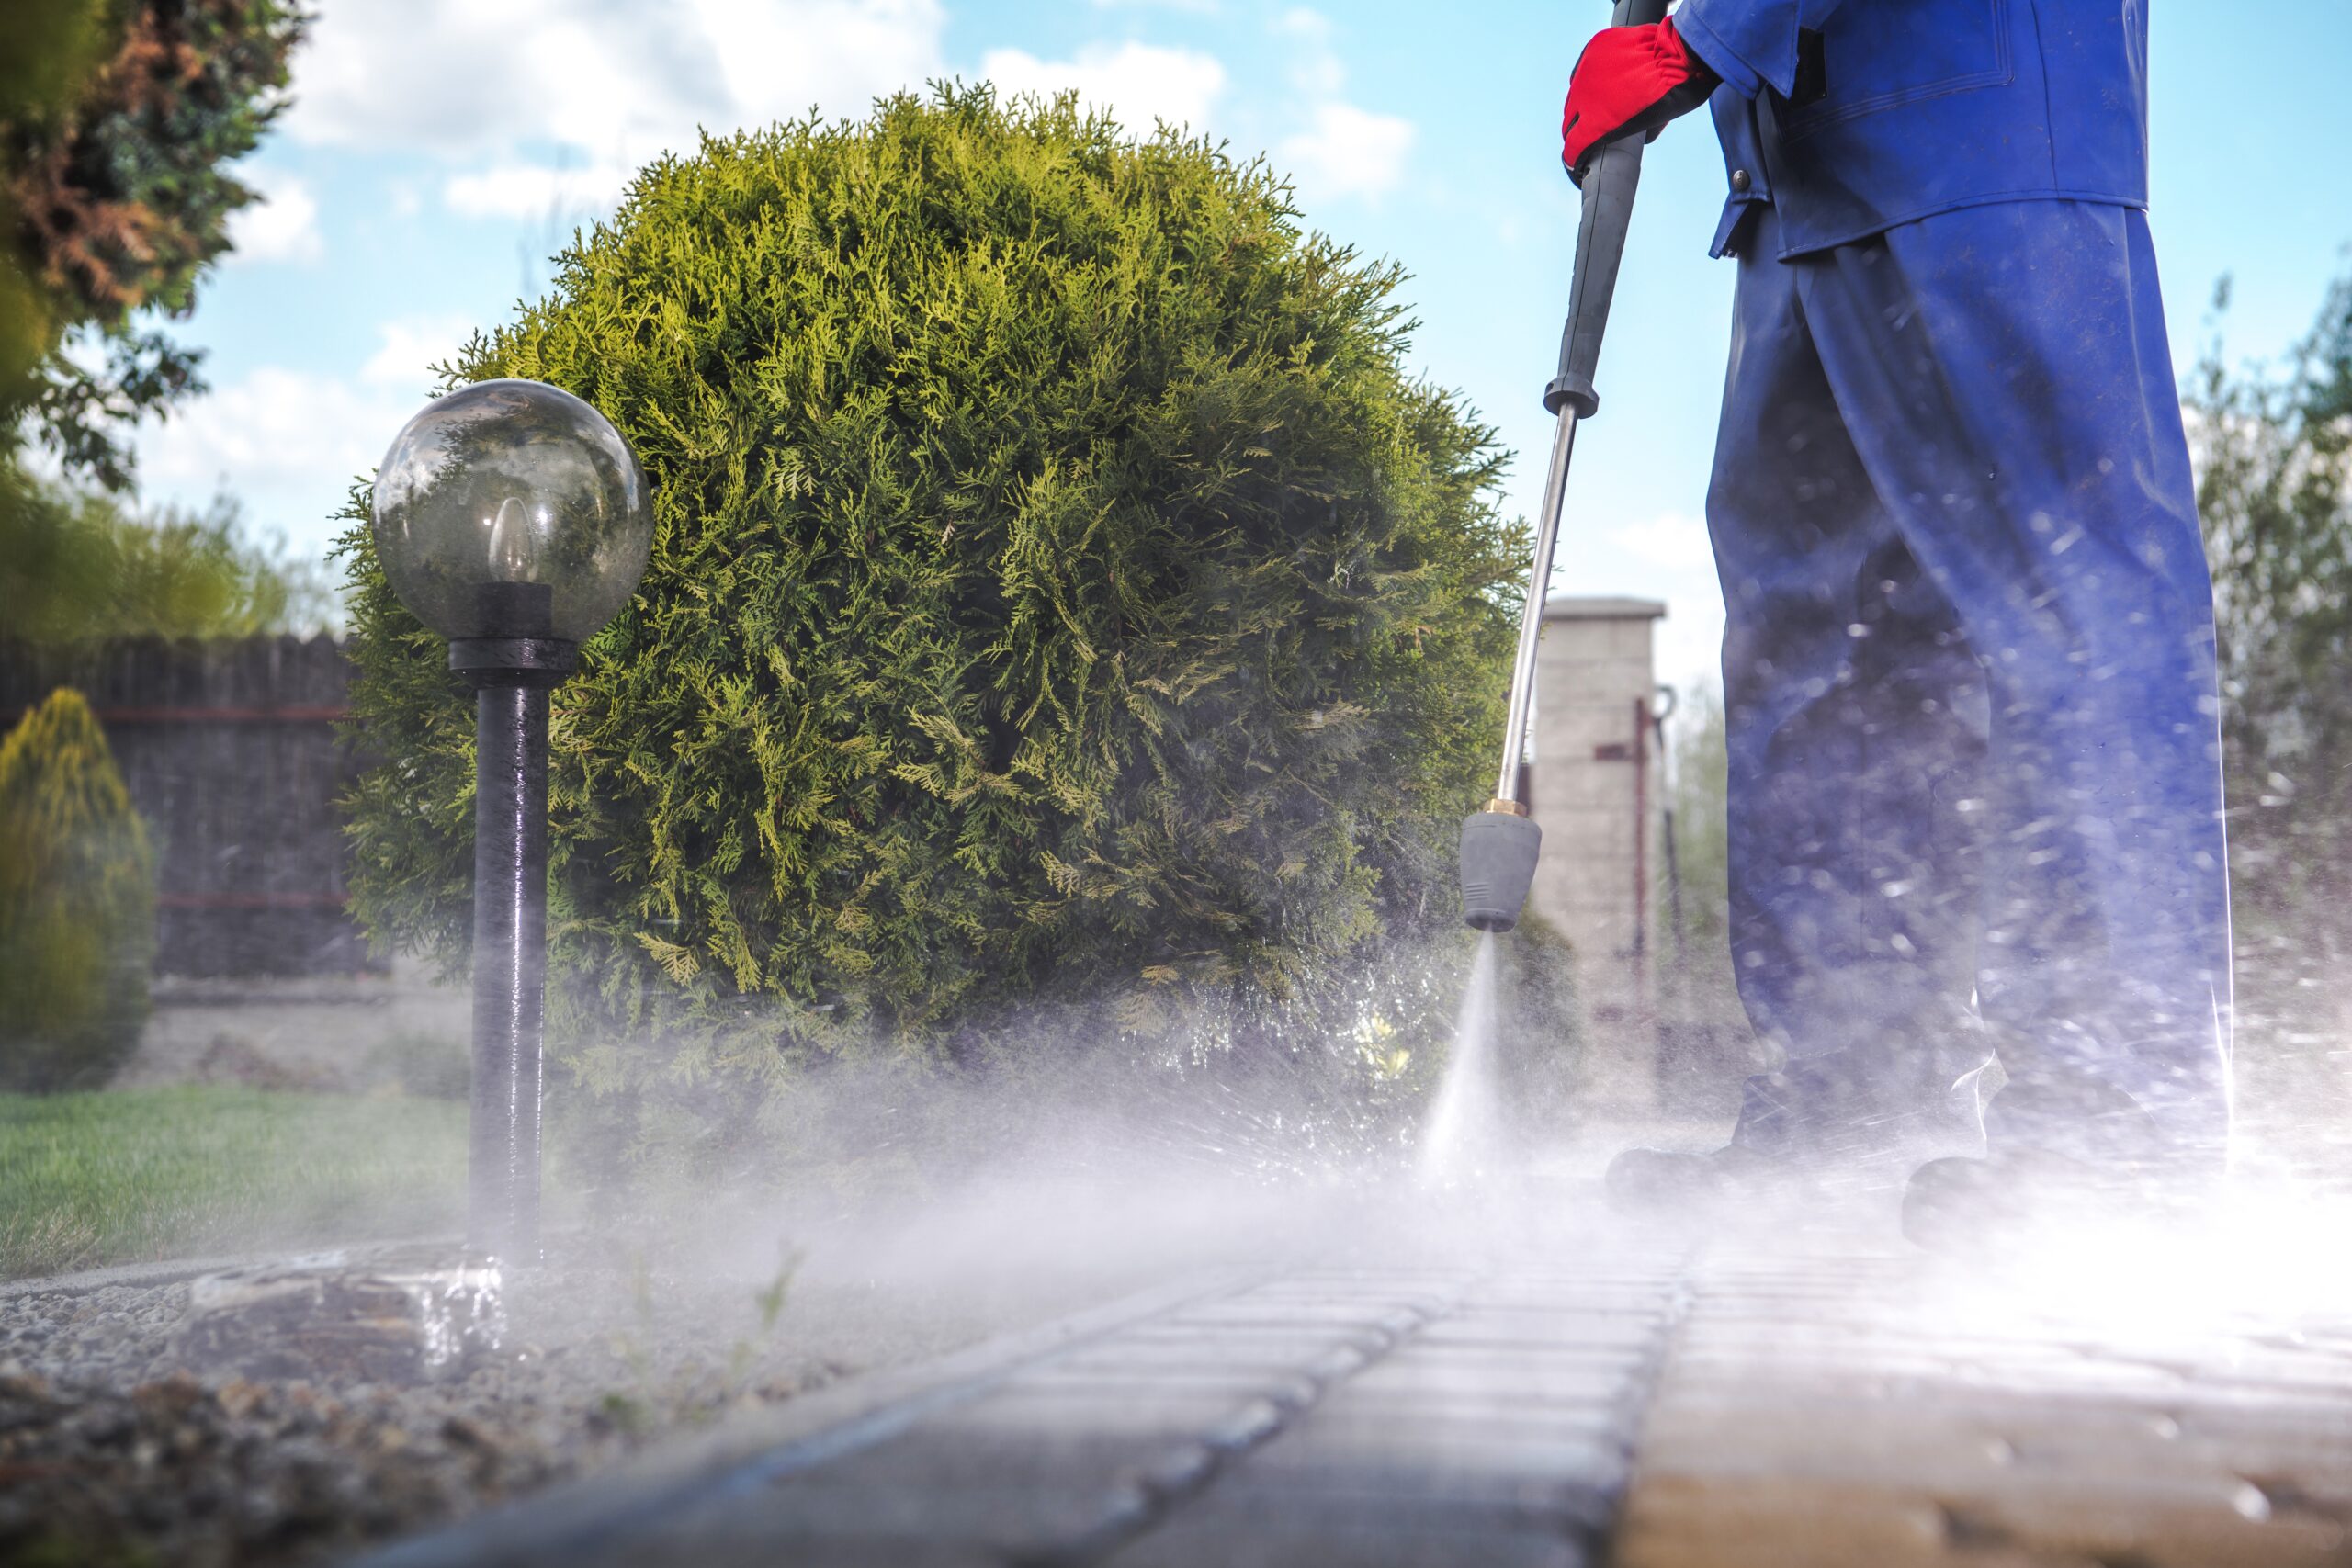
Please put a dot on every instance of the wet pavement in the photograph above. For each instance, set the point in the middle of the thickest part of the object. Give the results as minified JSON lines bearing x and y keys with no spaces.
{"x":1626,"y":1402}
{"x":1882,"y":1412}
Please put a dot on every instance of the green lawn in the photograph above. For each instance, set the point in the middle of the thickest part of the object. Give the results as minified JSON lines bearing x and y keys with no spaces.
{"x":126,"y":1176}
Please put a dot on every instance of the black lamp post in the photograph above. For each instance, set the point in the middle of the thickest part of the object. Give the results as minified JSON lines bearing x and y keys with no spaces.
{"x":511,"y":519}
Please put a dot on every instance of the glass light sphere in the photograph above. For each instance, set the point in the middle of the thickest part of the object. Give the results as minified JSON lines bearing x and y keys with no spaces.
{"x":512,"y":481}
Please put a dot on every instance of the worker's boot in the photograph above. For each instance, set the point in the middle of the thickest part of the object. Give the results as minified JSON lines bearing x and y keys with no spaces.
{"x":1819,"y":1135}
{"x":1701,"y":1188}
{"x":1664,"y":1184}
{"x":1968,"y":1207}
{"x":2062,"y":1152}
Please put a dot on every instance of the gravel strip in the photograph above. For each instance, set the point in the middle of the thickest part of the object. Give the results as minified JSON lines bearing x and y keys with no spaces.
{"x":112,"y":1453}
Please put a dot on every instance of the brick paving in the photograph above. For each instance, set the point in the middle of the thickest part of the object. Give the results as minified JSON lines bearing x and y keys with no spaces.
{"x":1834,"y":1410}
{"x":1620,"y":1404}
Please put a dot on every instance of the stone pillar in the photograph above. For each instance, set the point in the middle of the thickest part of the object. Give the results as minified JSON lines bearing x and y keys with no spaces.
{"x":1596,"y":789}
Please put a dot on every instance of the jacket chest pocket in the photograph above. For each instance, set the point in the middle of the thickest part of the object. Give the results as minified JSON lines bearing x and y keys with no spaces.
{"x":1875,"y":54}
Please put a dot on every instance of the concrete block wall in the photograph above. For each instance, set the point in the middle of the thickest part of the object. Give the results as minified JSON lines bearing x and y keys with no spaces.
{"x":1597,"y":791}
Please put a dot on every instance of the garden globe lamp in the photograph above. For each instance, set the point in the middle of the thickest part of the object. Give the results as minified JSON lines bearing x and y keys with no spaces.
{"x":512,"y":518}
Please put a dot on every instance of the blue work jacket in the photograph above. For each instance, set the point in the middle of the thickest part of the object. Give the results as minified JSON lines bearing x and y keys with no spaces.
{"x":1852,"y":115}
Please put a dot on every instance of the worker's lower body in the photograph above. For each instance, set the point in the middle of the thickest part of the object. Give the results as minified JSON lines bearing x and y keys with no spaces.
{"x":1974,"y":794}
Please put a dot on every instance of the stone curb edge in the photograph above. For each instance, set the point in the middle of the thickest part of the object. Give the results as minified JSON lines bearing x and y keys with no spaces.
{"x":174,"y":1270}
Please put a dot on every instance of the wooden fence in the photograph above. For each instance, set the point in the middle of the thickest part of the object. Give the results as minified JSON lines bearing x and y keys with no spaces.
{"x":231,"y":753}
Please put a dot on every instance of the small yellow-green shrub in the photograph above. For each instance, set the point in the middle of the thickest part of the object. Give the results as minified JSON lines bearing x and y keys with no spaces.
{"x":77,"y":903}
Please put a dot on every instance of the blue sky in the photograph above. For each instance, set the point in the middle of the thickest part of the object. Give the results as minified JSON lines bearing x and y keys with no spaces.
{"x":440,"y":149}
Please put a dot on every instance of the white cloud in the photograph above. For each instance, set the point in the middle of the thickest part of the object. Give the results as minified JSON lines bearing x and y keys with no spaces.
{"x":537,"y":190}
{"x":1343,"y":151}
{"x":780,"y":60}
{"x":1138,"y":82}
{"x":282,"y":226}
{"x":1667,"y":557}
{"x":1671,"y":540}
{"x":270,"y":424}
{"x":1301,"y":22}
{"x":616,"y":80}
{"x":1347,"y":152}
{"x":409,"y":348}
{"x":1689,"y":647}
{"x":286,"y":442}
{"x":1316,"y":71}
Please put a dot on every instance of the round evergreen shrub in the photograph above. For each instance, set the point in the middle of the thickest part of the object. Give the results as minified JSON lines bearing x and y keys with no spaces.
{"x":77,"y":903}
{"x":1062,"y":597}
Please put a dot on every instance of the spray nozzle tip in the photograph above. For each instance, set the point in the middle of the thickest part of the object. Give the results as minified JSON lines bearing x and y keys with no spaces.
{"x":1498,"y":851}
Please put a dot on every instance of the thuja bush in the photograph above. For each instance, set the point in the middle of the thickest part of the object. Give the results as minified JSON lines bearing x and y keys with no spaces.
{"x":77,"y":903}
{"x":1063,"y":602}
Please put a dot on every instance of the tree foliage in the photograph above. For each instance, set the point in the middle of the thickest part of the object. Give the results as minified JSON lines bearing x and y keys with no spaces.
{"x":2274,"y":452}
{"x":2275,"y":491}
{"x":78,"y":565}
{"x":118,"y":121}
{"x":77,"y":903}
{"x":1061,"y":597}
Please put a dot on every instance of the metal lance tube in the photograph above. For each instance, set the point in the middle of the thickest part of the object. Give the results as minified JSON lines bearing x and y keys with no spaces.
{"x":1500,"y":843}
{"x":1531,"y":619}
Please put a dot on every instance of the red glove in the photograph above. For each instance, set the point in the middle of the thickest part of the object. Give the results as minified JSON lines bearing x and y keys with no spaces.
{"x":1628,"y":80}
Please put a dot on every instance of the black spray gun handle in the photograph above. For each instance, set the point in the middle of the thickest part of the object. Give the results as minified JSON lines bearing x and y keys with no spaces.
{"x":1611,"y":177}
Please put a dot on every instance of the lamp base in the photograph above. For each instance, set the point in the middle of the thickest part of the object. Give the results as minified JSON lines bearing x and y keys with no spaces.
{"x":514,"y":660}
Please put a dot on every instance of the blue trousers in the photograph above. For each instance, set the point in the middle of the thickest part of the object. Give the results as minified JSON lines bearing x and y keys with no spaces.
{"x":1975,"y":793}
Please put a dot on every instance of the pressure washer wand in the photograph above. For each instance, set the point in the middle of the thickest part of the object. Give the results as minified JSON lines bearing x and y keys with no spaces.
{"x":1499,"y":844}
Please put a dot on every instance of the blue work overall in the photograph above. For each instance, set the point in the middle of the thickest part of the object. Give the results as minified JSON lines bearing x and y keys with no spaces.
{"x":1975,"y":794}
